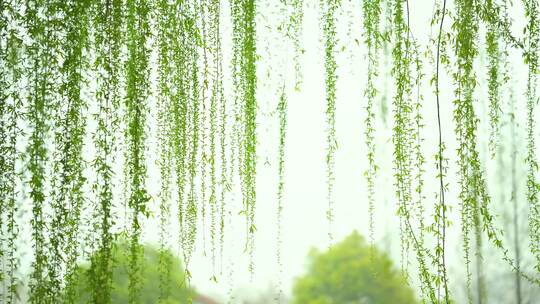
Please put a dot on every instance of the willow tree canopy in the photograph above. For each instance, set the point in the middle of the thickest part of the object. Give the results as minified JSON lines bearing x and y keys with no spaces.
{"x":90,"y":89}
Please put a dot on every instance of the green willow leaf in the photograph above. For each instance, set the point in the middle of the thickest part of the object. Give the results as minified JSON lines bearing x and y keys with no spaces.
{"x":407,"y":145}
{"x":71,"y":127}
{"x":40,"y":23}
{"x":473,"y":195}
{"x":107,"y":25}
{"x":245,"y":80}
{"x":440,"y":222}
{"x":471,"y":177}
{"x":329,"y":19}
{"x":165,"y":14}
{"x":137,"y":90}
{"x":294,"y":31}
{"x":193,"y":132}
{"x":494,"y":79}
{"x":282,"y":112}
{"x":532,"y":12}
{"x":372,"y":39}
{"x":11,"y":109}
{"x":214,"y":47}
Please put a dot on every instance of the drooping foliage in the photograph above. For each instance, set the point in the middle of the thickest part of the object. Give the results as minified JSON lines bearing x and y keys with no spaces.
{"x":137,"y":91}
{"x":402,"y":109}
{"x":290,"y":27}
{"x":191,"y":80}
{"x":532,"y":11}
{"x":67,"y":197}
{"x":10,"y":112}
{"x":40,"y":22}
{"x":372,"y":15}
{"x":165,"y":13}
{"x":107,"y":25}
{"x":88,"y":87}
{"x":329,"y":16}
{"x":293,"y":29}
{"x":408,"y":160}
{"x":204,"y":116}
{"x":282,"y":113}
{"x":244,"y":69}
{"x":179,"y":123}
{"x":218,"y":95}
{"x":385,"y":35}
{"x":494,"y":79}
{"x":217,"y":131}
{"x":475,"y":211}
{"x":473,"y":192}
{"x":440,"y":221}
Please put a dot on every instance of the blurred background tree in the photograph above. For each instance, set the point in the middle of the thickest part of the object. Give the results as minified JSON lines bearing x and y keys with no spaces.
{"x":179,"y":293}
{"x":349,"y":273}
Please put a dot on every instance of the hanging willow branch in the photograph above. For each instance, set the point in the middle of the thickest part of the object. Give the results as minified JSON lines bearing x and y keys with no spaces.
{"x":493,"y":53}
{"x":186,"y":123}
{"x":204,"y":79}
{"x":330,"y":8}
{"x":513,"y":196}
{"x":385,"y":37}
{"x":471,"y":179}
{"x":244,"y":72}
{"x":136,"y":99}
{"x":473,"y":195}
{"x":372,"y":14}
{"x":248,"y":71}
{"x":295,"y":33}
{"x":402,"y":117}
{"x":473,"y":186}
{"x":179,"y":125}
{"x":165,"y":13}
{"x":69,"y":165}
{"x":532,"y":12}
{"x":440,"y":219}
{"x":193,"y":131}
{"x":10,"y":112}
{"x":236,"y":133}
{"x":4,"y":158}
{"x":418,"y":162}
{"x":107,"y":19}
{"x":407,"y":144}
{"x":39,"y":20}
{"x":219,"y":100}
{"x":214,"y":45}
{"x":282,"y":112}
{"x":179,"y":112}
